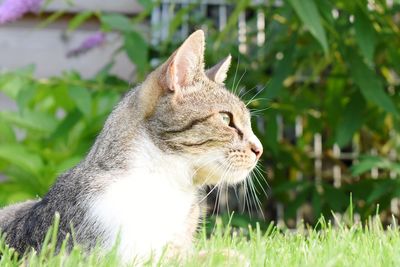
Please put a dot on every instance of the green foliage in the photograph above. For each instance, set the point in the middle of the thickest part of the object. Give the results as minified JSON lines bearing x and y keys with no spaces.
{"x":309,"y":15}
{"x":334,"y":64}
{"x":55,"y":124}
{"x":134,"y":44}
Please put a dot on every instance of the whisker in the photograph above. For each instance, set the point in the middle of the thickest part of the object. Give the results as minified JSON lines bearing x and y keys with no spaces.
{"x":262,"y":173}
{"x":218,"y":186}
{"x":236,"y":192}
{"x":248,"y":91}
{"x":251,"y":181}
{"x":259,"y":174}
{"x":257,"y":87}
{"x":205,"y":181}
{"x":259,"y":183}
{"x":241,"y":77}
{"x":258,"y":99}
{"x":245,"y":196}
{"x":255,"y":198}
{"x":234,"y":78}
{"x":250,"y":207}
{"x":219,"y":198}
{"x":205,"y":197}
{"x":227,"y":198}
{"x":224,"y":185}
{"x":251,"y":99}
{"x":254,"y":112}
{"x":201,"y":166}
{"x":216,"y":203}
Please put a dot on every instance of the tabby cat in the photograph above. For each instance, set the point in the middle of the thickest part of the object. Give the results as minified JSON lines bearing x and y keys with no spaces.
{"x":141,"y":182}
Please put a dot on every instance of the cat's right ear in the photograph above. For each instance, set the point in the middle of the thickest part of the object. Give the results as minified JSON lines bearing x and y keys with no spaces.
{"x":218,"y":73}
{"x":181,"y":68}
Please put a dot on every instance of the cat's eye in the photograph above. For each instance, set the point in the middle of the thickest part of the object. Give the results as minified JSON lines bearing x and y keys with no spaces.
{"x":226,"y":118}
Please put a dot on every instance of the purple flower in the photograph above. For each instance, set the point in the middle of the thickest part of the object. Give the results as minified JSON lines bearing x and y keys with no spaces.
{"x":89,"y":43}
{"x":11,"y":10}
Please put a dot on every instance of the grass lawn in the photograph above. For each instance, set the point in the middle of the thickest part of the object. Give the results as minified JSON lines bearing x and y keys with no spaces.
{"x":329,"y":246}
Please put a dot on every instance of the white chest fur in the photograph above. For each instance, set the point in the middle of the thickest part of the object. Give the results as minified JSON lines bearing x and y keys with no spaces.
{"x":148,"y":206}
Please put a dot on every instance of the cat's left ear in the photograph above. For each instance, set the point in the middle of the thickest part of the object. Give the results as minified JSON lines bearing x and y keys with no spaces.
{"x":218,"y":73}
{"x":185,"y":63}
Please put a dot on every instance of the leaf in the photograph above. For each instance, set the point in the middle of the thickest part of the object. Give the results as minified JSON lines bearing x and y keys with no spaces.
{"x":240,"y":6}
{"x":271,"y":134}
{"x":32,"y":120}
{"x":177,"y":19}
{"x":371,"y":87}
{"x":352,"y":119}
{"x":137,"y":50}
{"x":11,"y":85}
{"x":6,"y":132}
{"x":68,"y":163}
{"x":325,"y":8}
{"x":281,"y":71}
{"x":30,"y":181}
{"x":365,"y":35}
{"x":309,"y":15}
{"x":18,"y":155}
{"x":82,"y":98}
{"x":25,"y":96}
{"x":381,"y":189}
{"x":13,"y":192}
{"x":300,"y":199}
{"x":146,"y":4}
{"x":78,"y":20}
{"x":369,"y":162}
{"x":104,"y":102}
{"x":50,"y":19}
{"x":316,"y":203}
{"x":289,"y":185}
{"x":335,"y":197}
{"x":117,"y":22}
{"x":66,"y":124}
{"x":366,"y":164}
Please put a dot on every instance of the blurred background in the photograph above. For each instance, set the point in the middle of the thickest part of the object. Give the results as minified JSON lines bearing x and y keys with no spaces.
{"x":320,"y":77}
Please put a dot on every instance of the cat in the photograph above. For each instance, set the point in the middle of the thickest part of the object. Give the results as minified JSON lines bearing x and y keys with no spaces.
{"x":141,"y":181}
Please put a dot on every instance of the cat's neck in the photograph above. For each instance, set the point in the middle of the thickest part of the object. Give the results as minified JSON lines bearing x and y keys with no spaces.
{"x":120,"y":136}
{"x":150,"y":161}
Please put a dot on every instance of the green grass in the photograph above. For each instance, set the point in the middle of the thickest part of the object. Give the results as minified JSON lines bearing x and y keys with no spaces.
{"x":341,"y":245}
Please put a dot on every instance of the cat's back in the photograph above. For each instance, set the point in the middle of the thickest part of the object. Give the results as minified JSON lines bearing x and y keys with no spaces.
{"x":9,"y":213}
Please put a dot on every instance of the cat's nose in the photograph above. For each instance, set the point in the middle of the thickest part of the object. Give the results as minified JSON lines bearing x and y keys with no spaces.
{"x":256,"y":147}
{"x":257,"y":150}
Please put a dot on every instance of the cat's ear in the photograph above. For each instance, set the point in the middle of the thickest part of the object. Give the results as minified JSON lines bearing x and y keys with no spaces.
{"x":185,"y":63}
{"x":219,"y":72}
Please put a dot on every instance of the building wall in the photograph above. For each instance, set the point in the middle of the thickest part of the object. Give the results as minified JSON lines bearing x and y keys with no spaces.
{"x":24,"y":42}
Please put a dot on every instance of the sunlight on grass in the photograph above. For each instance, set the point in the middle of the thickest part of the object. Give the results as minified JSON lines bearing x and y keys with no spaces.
{"x":339,"y":245}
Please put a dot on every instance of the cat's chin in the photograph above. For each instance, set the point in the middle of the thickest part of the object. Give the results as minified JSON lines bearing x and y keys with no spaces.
{"x":236,"y":177}
{"x":213,"y":176}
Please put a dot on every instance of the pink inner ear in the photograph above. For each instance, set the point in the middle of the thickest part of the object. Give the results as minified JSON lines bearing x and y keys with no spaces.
{"x":218,"y":72}
{"x":183,"y":68}
{"x":173,"y":78}
{"x":185,"y":63}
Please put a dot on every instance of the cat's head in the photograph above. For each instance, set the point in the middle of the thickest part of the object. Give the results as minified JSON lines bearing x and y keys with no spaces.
{"x":190,"y":112}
